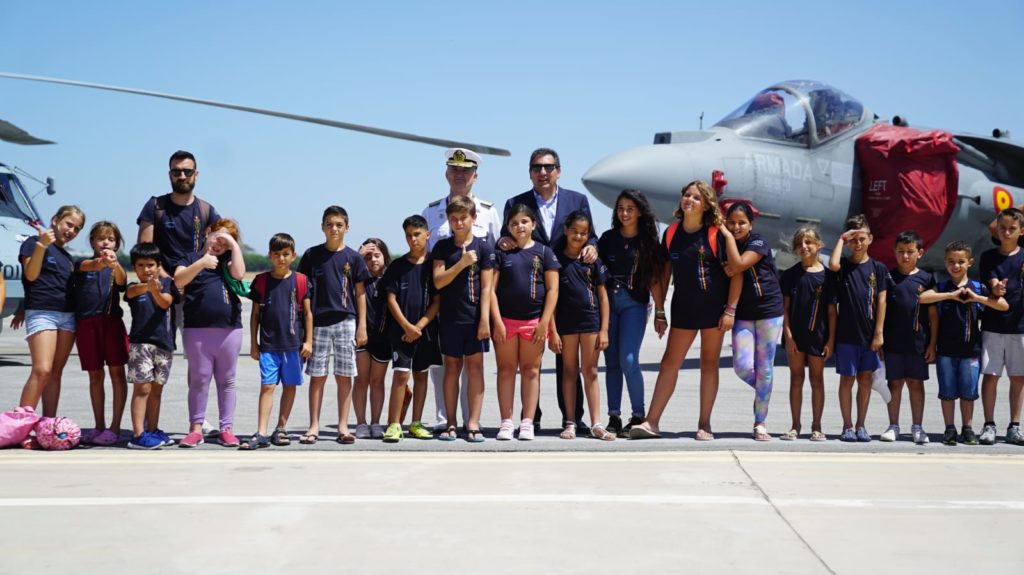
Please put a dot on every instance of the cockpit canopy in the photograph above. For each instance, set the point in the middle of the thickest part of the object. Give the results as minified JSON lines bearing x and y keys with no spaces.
{"x":798,"y":112}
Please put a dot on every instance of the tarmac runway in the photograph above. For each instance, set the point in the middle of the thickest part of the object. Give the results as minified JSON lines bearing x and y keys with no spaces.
{"x":663,"y":506}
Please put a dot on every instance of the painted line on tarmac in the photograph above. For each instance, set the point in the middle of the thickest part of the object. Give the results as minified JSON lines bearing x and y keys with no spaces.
{"x":517,"y":499}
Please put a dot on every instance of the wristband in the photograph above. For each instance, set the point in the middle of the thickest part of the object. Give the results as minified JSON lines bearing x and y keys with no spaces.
{"x":730,"y":313}
{"x":659,"y":313}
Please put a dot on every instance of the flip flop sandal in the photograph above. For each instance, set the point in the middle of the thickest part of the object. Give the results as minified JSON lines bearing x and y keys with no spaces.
{"x":474,"y":436}
{"x":760,"y":433}
{"x":449,"y":434}
{"x":569,"y":432}
{"x":818,"y":436}
{"x":346,"y":439}
{"x":641,"y":432}
{"x":704,"y":435}
{"x":790,"y":435}
{"x":280,"y":438}
{"x":599,"y":432}
{"x":309,"y":439}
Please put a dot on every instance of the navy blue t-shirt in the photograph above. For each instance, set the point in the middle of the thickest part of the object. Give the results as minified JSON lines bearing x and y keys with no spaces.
{"x":856,"y":295}
{"x":96,"y":293}
{"x":521,"y":288}
{"x":150,"y":323}
{"x":959,"y":328}
{"x":376,"y":312}
{"x":52,"y":290}
{"x":622,"y":256}
{"x":579,"y":309}
{"x":208,"y":301}
{"x":412,"y":286}
{"x":333,"y":278}
{"x":701,"y":287}
{"x":282,"y":325}
{"x":1011,"y":268}
{"x":906,"y":320}
{"x":460,"y":299}
{"x":761,"y":297}
{"x":810,"y":294}
{"x":181,"y":231}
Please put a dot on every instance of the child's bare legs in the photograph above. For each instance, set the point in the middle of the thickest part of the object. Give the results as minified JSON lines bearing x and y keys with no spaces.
{"x":475,"y":368}
{"x":266,"y":404}
{"x":846,"y":400}
{"x":796,"y":386}
{"x":316,"y":400}
{"x":156,"y":396}
{"x":362,"y":383}
{"x":863,"y":396}
{"x":140,"y":406}
{"x":119,"y":389}
{"x":679,"y":342}
{"x":1016,"y":396}
{"x":896,"y":390}
{"x":916,"y":389}
{"x":570,"y":370}
{"x":710,"y":355}
{"x":589,"y":355}
{"x":530,"y":354}
{"x":817,"y":377}
{"x":344,"y":402}
{"x":98,"y":398}
{"x":51,"y":394}
{"x":989,"y":384}
{"x":420,"y":382}
{"x":287,"y":401}
{"x":506,"y":356}
{"x":48,"y":361}
{"x":948,"y":409}
{"x":399,"y":381}
{"x":966,"y":412}
{"x":452,"y":373}
{"x":377,"y":373}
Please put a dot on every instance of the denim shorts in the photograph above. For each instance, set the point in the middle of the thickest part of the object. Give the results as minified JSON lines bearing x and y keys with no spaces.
{"x":37,"y":320}
{"x":958,"y":377}
{"x":852,"y":359}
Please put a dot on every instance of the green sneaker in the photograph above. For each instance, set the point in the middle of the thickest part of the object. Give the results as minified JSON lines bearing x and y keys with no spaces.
{"x":420,"y":431}
{"x":949,"y":436}
{"x":393,"y":433}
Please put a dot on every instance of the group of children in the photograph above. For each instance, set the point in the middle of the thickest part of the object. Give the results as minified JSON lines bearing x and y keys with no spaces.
{"x":368,"y":311}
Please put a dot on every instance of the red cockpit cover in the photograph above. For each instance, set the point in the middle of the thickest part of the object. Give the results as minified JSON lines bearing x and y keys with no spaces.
{"x":909,"y":181}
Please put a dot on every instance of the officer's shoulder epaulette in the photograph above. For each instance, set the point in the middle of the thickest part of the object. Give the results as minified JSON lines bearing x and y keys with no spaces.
{"x":486,"y":204}
{"x":435,"y":204}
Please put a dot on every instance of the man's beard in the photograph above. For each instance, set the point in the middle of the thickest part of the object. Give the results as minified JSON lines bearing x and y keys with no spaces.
{"x":183,"y":187}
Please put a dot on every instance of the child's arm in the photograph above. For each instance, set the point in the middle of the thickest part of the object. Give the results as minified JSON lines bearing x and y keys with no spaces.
{"x":307,"y":342}
{"x":995,"y":302}
{"x":183,"y":275}
{"x":412,"y":332}
{"x":360,"y":314}
{"x":729,"y":315}
{"x":136,"y":289}
{"x":836,"y":258}
{"x":443,"y":277}
{"x":486,"y":291}
{"x":254,"y":332}
{"x":737,"y":263}
{"x":931,"y":296}
{"x":878,"y":339}
{"x":659,"y":285}
{"x":498,"y":333}
{"x":550,"y":301}
{"x":163,"y":299}
{"x":3,"y":291}
{"x":602,"y":335}
{"x":237,"y":266}
{"x":787,"y":332}
{"x":933,"y":333}
{"x":33,"y":264}
{"x":830,"y":345}
{"x":431,"y":313}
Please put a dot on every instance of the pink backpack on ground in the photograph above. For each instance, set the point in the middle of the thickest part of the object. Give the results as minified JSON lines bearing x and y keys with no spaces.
{"x":57,"y":433}
{"x":16,"y":425}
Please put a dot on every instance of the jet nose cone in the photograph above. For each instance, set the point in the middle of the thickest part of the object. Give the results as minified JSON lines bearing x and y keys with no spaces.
{"x":655,"y":170}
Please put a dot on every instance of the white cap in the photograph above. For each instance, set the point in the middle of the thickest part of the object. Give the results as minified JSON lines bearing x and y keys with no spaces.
{"x":461,"y":157}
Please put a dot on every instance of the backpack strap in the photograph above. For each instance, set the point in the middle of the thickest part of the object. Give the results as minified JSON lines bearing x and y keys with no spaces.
{"x":670,"y":233}
{"x":204,"y":212}
{"x":159,"y":210}
{"x":301,"y":287}
{"x":259,"y":285}
{"x":713,"y":240}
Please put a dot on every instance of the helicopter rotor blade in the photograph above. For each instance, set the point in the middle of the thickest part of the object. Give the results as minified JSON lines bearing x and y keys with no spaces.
{"x":297,"y":117}
{"x":15,"y":135}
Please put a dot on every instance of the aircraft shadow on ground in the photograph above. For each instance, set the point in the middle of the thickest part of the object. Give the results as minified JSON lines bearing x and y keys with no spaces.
{"x":694,"y":363}
{"x":8,"y":362}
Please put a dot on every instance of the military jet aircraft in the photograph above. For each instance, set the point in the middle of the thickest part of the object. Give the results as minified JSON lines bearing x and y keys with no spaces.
{"x":791,"y":151}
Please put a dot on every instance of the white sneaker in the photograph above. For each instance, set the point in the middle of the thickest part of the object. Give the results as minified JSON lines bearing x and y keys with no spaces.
{"x":209,"y":430}
{"x":506,"y":430}
{"x":988,"y":435}
{"x":376,"y":431}
{"x":362,"y":431}
{"x":919,"y":435}
{"x":526,"y":431}
{"x":891,"y":434}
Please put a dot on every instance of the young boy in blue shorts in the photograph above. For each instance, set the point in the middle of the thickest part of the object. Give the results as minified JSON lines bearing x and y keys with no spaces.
{"x":911,"y":331}
{"x":464,"y":274}
{"x":959,"y":301}
{"x":861,"y":294}
{"x":1002,"y":333}
{"x":281,"y":330}
{"x":413,"y":305}
{"x":338,"y":302}
{"x":150,"y":345}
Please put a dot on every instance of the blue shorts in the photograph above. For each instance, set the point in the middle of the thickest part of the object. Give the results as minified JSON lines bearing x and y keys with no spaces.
{"x":905,"y":366}
{"x":37,"y":320}
{"x":280,"y":367}
{"x":958,"y":377}
{"x":459,"y":339}
{"x":852,"y":359}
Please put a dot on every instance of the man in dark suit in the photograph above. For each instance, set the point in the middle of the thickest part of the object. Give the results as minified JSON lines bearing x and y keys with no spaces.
{"x":552,"y":204}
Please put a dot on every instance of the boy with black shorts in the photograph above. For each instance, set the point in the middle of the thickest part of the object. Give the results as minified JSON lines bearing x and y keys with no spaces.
{"x":413,"y":304}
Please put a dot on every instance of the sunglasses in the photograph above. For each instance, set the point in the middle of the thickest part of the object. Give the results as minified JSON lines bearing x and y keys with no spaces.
{"x":545,"y":167}
{"x":178,"y":172}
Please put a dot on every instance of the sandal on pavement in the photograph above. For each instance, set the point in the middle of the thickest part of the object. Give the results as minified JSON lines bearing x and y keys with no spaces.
{"x":704,"y":435}
{"x":474,"y":435}
{"x":280,"y":438}
{"x":597,"y":431}
{"x":449,"y":434}
{"x":569,"y":432}
{"x":760,"y":433}
{"x":309,"y":439}
{"x":790,"y":435}
{"x":643,"y":432}
{"x":346,"y":439}
{"x":817,"y":435}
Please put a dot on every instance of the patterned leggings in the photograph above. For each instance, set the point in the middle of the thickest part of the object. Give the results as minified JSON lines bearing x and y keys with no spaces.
{"x":753,"y":356}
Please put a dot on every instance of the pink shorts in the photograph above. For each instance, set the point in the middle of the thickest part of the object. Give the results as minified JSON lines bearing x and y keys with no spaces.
{"x":101,"y":339}
{"x":524,"y":328}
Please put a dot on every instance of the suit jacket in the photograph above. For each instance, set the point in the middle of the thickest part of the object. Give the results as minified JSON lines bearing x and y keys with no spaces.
{"x":568,"y":202}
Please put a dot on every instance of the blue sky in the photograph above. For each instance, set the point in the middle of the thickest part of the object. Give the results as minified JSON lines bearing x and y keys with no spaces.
{"x":587,"y":79}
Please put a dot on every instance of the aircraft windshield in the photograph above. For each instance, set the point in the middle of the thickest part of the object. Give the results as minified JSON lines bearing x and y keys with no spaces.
{"x":13,"y":201}
{"x":781,"y":114}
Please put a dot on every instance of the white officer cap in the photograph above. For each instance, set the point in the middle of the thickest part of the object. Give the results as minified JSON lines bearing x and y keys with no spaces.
{"x":461,"y":157}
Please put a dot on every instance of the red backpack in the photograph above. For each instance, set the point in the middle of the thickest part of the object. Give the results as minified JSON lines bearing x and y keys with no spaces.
{"x":670,"y":233}
{"x":259,"y":285}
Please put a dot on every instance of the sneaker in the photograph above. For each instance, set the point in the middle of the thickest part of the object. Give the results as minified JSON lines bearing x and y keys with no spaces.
{"x":848,"y":435}
{"x":362,"y":431}
{"x":634,"y":420}
{"x":581,"y":428}
{"x":949,"y":436}
{"x":163,"y":437}
{"x":209,"y":430}
{"x":106,"y":438}
{"x":377,"y":431}
{"x":228,"y":439}
{"x":863,"y":436}
{"x":988,"y":435}
{"x":193,"y":439}
{"x":614,"y":424}
{"x":968,"y":437}
{"x":1014,"y":436}
{"x":890,"y":434}
{"x":145,"y":441}
{"x":919,"y":435}
{"x":393,"y":433}
{"x":526,"y":431}
{"x":506,"y":430}
{"x":418,"y":431}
